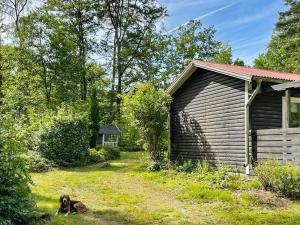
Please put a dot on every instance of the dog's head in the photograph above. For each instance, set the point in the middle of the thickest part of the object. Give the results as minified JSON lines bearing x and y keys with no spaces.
{"x":64,"y":199}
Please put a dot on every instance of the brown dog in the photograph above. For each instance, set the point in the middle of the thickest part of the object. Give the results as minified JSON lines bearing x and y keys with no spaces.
{"x":67,"y":206}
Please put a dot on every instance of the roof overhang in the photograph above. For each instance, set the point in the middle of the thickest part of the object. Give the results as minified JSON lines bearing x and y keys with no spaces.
{"x":192,"y":67}
{"x":284,"y":86}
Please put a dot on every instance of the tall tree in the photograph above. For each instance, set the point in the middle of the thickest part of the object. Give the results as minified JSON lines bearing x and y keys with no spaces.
{"x":165,"y":54}
{"x":284,"y":48}
{"x":127,"y":22}
{"x":94,"y":118}
{"x":14,"y":9}
{"x":239,"y":62}
{"x":224,"y":55}
{"x":77,"y":18}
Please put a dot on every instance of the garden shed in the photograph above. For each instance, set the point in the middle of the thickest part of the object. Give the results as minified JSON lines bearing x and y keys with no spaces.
{"x":108,"y":135}
{"x":234,"y":115}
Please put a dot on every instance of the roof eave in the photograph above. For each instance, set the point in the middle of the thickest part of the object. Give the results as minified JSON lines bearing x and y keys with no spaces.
{"x":191,"y":68}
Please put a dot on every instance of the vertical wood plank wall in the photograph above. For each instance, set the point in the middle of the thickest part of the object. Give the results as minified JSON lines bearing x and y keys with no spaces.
{"x":208,"y":119}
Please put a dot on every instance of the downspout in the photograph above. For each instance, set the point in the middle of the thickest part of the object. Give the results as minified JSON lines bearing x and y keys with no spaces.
{"x":248,"y":103}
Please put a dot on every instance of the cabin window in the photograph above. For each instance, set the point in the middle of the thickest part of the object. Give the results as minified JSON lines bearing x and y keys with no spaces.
{"x":295,"y":112}
{"x":110,"y":138}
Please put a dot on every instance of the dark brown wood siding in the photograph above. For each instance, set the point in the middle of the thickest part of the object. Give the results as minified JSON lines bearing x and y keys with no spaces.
{"x":208,"y":119}
{"x":266,"y":111}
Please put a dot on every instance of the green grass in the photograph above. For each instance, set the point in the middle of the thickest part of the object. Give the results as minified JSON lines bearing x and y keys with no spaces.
{"x":126,"y":194}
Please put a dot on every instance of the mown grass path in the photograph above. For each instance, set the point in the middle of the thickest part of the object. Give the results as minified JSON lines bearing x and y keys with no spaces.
{"x":123,"y":194}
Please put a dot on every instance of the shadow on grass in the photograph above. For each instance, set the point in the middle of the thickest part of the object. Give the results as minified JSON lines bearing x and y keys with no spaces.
{"x":39,"y":198}
{"x":114,"y":167}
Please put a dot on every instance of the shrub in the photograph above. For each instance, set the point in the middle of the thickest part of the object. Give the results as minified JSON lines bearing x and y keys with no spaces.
{"x":95,"y":156}
{"x":16,"y":204}
{"x":36,"y":163}
{"x":66,"y":142}
{"x":109,"y":153}
{"x":101,"y":154}
{"x":281,"y":179}
{"x":146,"y":106}
{"x":187,"y":166}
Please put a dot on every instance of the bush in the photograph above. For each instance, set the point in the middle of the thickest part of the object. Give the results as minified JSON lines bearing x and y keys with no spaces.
{"x":95,"y":156}
{"x":187,"y":166}
{"x":36,"y":163}
{"x":281,"y":179}
{"x":66,"y":142}
{"x":16,"y":204}
{"x":109,"y":153}
{"x":101,"y":154}
{"x":220,"y":177}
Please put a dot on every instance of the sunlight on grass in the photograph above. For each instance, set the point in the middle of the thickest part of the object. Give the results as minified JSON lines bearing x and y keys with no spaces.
{"x":124,"y":193}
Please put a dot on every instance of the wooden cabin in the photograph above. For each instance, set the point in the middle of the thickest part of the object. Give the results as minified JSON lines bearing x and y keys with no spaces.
{"x":234,"y":115}
{"x":109,"y":136}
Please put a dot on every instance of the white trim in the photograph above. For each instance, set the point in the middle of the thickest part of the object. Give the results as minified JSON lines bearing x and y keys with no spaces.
{"x":284,"y":109}
{"x":247,"y":163}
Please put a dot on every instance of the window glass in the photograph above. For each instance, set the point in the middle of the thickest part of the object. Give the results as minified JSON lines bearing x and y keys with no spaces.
{"x":295,"y":114}
{"x":110,"y":138}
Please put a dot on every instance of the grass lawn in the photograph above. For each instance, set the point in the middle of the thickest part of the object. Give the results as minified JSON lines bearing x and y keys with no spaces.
{"x":125,"y":194}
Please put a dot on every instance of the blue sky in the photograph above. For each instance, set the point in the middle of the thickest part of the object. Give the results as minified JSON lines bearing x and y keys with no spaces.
{"x":247,"y":25}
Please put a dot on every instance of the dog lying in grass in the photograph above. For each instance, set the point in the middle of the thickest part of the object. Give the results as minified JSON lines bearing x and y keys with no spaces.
{"x":68,"y":206}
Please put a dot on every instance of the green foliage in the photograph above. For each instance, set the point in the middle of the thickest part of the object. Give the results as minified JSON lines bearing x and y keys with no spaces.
{"x":96,"y":156}
{"x":94,"y":118}
{"x":103,"y":153}
{"x":130,"y":138}
{"x":239,"y":62}
{"x":224,"y":55}
{"x":147,"y":107}
{"x":16,"y":204}
{"x":219,"y":177}
{"x":281,"y":179}
{"x":36,"y":163}
{"x":66,"y":141}
{"x":109,"y":153}
{"x":187,"y":166}
{"x":284,"y":48}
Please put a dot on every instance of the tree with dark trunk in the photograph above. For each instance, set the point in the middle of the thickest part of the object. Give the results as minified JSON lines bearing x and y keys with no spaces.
{"x":127,"y":23}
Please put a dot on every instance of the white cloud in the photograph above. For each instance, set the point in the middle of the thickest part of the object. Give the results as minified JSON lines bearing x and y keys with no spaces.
{"x":251,"y":43}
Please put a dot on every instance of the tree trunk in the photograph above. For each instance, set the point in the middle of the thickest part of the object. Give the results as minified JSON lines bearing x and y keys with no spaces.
{"x":114,"y":73}
{"x":119,"y":87}
{"x":82,"y":55}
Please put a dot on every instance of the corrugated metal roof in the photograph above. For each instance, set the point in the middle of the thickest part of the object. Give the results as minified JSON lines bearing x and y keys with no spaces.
{"x":110,"y":129}
{"x":240,"y":72}
{"x":248,"y":71}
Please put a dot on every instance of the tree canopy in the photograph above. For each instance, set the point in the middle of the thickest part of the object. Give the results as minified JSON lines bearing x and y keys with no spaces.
{"x":284,"y":48}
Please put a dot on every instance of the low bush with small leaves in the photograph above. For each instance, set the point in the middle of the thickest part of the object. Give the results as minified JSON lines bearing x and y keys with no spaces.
{"x":103,"y":153}
{"x":95,"y":156}
{"x":284,"y":179}
{"x":36,"y":163}
{"x":185,"y":166}
{"x":109,"y":153}
{"x":221,"y":176}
